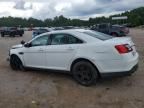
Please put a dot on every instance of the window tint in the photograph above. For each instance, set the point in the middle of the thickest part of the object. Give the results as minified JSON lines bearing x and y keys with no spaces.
{"x":59,"y":39}
{"x":103,"y":26}
{"x":73,"y":40}
{"x":40,"y":41}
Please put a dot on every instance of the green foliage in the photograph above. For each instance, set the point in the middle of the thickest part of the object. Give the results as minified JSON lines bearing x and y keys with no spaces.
{"x":135,"y":18}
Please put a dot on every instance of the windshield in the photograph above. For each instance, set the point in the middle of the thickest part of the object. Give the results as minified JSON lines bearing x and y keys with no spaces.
{"x":98,"y":35}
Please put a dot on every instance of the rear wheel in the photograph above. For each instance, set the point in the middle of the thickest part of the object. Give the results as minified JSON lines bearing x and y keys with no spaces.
{"x":2,"y":34}
{"x":16,"y":63}
{"x":114,"y":34}
{"x":21,"y":35}
{"x":85,"y":73}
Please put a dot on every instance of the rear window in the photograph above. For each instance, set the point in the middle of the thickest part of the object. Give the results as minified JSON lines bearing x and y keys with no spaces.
{"x":12,"y":28}
{"x":98,"y":35}
{"x":103,"y":26}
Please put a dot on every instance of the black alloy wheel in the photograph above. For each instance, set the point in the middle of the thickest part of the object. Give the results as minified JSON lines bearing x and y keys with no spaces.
{"x":16,"y":63}
{"x":85,"y":73}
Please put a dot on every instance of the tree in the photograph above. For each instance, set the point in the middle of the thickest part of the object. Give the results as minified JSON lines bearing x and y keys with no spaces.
{"x":135,"y":18}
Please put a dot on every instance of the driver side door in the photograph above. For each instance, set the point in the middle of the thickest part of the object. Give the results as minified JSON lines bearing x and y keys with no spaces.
{"x":34,"y":56}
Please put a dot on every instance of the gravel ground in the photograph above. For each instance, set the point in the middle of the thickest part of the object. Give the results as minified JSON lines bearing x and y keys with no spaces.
{"x":41,"y":89}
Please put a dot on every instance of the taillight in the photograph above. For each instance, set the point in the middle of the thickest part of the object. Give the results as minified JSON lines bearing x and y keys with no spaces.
{"x":124,"y":48}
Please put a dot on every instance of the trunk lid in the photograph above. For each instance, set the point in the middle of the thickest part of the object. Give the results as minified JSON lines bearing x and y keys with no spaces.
{"x":123,"y":40}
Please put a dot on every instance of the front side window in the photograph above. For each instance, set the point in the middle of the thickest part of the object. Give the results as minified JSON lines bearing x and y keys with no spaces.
{"x":40,"y":41}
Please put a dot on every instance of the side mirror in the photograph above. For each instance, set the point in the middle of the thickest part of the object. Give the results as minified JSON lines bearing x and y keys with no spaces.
{"x":22,"y":42}
{"x":27,"y":45}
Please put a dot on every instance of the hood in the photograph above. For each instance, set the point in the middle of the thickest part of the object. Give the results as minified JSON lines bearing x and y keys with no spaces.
{"x":17,"y":46}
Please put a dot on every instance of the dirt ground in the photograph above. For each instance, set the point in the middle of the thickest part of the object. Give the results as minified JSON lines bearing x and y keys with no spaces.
{"x":40,"y":89}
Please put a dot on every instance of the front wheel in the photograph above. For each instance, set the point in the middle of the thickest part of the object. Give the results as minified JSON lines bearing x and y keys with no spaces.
{"x":2,"y":34}
{"x":85,"y":73}
{"x":16,"y":63}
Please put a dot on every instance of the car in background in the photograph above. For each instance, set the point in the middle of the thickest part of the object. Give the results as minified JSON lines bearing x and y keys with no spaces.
{"x":39,"y":31}
{"x":86,"y":54}
{"x":114,"y":30}
{"x":26,"y":29}
{"x":58,"y":28}
{"x":11,"y":31}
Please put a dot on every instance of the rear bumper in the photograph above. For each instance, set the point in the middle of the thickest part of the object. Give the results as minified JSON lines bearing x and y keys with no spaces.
{"x":120,"y":74}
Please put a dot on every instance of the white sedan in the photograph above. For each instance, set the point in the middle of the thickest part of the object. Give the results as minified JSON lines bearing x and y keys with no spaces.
{"x":87,"y":54}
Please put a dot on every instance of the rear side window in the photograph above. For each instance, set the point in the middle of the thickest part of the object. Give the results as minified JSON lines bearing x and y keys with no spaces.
{"x":103,"y":26}
{"x":74,"y":40}
{"x":60,"y":39}
{"x":98,"y":35}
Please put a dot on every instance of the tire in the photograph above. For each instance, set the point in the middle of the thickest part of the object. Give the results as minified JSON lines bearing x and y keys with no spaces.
{"x":114,"y":34}
{"x":16,"y":63}
{"x":21,"y":35}
{"x":2,"y":34}
{"x":85,"y":73}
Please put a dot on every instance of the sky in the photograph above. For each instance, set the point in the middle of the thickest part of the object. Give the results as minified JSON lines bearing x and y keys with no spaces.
{"x":82,"y":9}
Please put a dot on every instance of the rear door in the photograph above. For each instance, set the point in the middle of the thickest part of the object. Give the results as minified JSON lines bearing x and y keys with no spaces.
{"x":61,"y":50}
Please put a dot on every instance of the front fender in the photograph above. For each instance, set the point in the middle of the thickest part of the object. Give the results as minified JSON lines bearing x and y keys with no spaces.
{"x":17,"y":53}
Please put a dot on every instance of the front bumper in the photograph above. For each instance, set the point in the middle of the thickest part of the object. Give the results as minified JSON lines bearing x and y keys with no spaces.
{"x":120,"y":74}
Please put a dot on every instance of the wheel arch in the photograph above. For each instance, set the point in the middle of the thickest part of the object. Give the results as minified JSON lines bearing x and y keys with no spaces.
{"x":14,"y":55}
{"x":84,"y":59}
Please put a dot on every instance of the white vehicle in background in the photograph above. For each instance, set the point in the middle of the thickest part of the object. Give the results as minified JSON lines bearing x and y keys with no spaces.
{"x":87,"y":54}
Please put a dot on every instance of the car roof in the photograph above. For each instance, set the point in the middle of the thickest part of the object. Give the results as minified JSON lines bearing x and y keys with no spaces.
{"x":75,"y":32}
{"x":118,"y":26}
{"x":69,"y":30}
